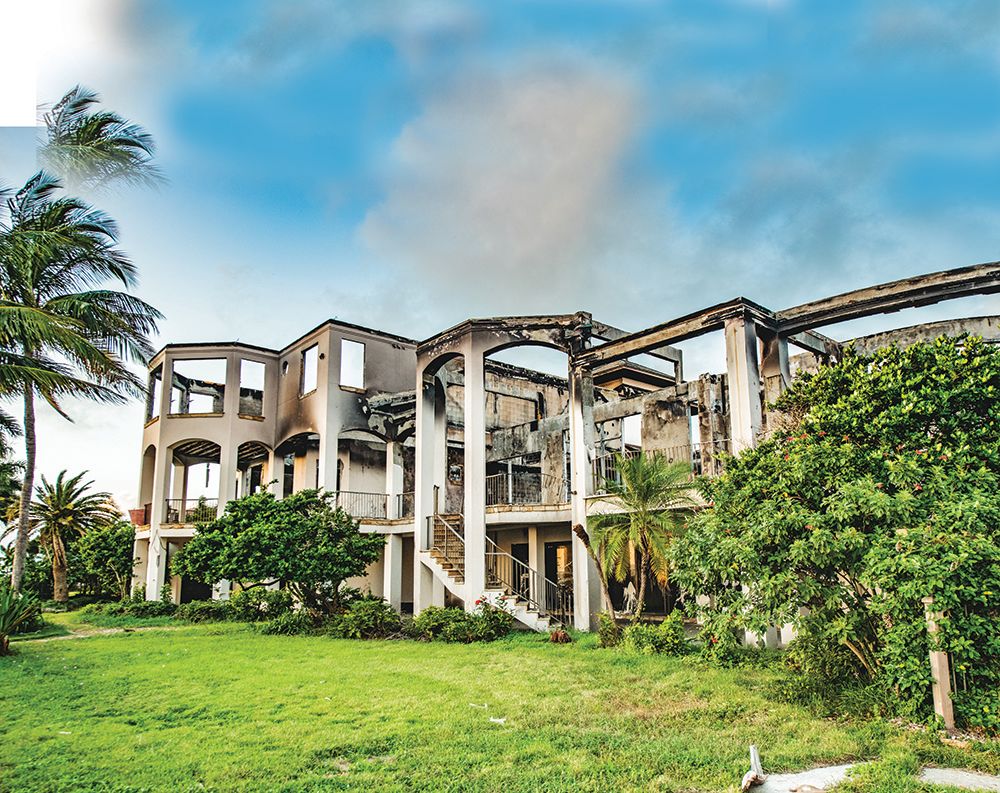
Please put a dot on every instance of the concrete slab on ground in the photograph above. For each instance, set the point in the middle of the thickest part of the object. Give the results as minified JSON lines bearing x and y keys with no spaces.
{"x":967,"y":780}
{"x":821,"y":778}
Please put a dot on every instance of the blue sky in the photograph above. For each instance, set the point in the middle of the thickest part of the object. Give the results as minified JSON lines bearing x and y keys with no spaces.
{"x":409,"y":164}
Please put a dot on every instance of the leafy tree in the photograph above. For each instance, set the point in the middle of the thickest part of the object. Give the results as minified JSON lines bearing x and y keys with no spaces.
{"x":105,"y":558}
{"x":655,"y":497}
{"x":883,"y":489}
{"x":63,"y":510}
{"x":303,"y":541}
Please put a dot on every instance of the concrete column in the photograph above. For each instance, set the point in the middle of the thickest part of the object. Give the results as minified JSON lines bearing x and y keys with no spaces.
{"x":940,"y":670}
{"x":392,"y":571}
{"x":156,"y":564}
{"x":140,"y":556}
{"x":536,"y":561}
{"x":775,"y":373}
{"x":393,"y":477}
{"x":178,"y":482}
{"x":744,"y":383}
{"x":227,"y":475}
{"x":329,"y":453}
{"x":276,"y":474}
{"x":586,"y":584}
{"x":475,"y":474}
{"x":423,"y":485}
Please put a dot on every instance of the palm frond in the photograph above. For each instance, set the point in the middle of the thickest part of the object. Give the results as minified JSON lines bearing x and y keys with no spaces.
{"x":96,"y":148}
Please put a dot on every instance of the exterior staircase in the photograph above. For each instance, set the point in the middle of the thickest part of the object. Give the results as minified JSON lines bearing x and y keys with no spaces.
{"x":448,"y":545}
{"x":536,"y":602}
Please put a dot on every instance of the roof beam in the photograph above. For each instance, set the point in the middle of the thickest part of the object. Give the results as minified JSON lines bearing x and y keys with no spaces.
{"x":920,"y":290}
{"x":687,"y":327}
{"x":607,"y":332}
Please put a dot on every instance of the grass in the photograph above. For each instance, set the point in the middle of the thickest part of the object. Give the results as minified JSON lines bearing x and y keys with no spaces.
{"x":221,"y":707}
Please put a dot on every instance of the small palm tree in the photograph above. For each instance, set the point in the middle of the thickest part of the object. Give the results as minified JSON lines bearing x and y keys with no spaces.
{"x":652,"y":498}
{"x":65,"y":509}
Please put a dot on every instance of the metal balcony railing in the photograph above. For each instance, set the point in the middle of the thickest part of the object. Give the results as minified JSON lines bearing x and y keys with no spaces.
{"x":704,"y":459}
{"x":525,"y":487}
{"x":404,"y":505}
{"x":363,"y":505}
{"x":185,"y":510}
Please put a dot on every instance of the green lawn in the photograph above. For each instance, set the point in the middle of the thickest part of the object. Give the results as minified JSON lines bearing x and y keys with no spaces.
{"x":222,"y":708}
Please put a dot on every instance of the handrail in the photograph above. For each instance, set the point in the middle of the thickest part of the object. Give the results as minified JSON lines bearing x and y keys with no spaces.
{"x":452,"y":544}
{"x":520,"y":579}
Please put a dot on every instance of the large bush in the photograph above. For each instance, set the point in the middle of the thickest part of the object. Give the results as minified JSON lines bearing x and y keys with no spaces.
{"x":882,"y":488}
{"x":303,"y":541}
{"x":103,"y":558}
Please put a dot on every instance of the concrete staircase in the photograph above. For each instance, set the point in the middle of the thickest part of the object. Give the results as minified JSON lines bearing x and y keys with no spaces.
{"x":448,"y":545}
{"x":447,"y":552}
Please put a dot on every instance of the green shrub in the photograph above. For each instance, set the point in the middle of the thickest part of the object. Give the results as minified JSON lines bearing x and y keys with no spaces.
{"x":204,"y":611}
{"x":131,"y":608}
{"x":289,"y":623}
{"x":367,"y":618}
{"x":486,"y":624}
{"x":492,"y":622}
{"x":461,"y":628}
{"x":19,"y":613}
{"x":647,"y":639}
{"x":258,"y":604}
{"x":431,"y":622}
{"x":609,"y":632}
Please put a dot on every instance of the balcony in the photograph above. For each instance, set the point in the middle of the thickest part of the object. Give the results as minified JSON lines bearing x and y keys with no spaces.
{"x":525,"y":488}
{"x":704,"y":459}
{"x":360,"y":506}
{"x":182,"y":511}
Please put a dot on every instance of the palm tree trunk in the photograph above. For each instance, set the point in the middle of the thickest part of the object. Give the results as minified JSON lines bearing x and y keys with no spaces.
{"x":643,"y":564}
{"x":60,"y":588}
{"x":23,"y":522}
{"x":581,"y":532}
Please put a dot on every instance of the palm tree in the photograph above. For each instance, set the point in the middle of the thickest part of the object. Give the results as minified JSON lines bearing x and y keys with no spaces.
{"x":652,"y":498}
{"x":61,"y":335}
{"x":65,"y":509}
{"x":93,"y":148}
{"x":54,"y":254}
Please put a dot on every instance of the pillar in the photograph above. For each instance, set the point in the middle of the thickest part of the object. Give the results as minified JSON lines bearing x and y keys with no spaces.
{"x":744,"y":383}
{"x":424,"y":479}
{"x":393,"y":477}
{"x":775,"y":373}
{"x":475,"y":473}
{"x":586,"y":584}
{"x":940,"y":670}
{"x":392,"y":571}
{"x":156,"y":556}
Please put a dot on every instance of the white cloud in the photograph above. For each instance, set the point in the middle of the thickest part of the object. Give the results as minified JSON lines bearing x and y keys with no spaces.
{"x":503,"y":181}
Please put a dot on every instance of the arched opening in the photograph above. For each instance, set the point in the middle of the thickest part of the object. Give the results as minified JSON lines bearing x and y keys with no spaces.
{"x":252,"y":465}
{"x":146,"y":485}
{"x":527,"y":425}
{"x":528,"y":471}
{"x":193,"y":482}
{"x":297,"y":461}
